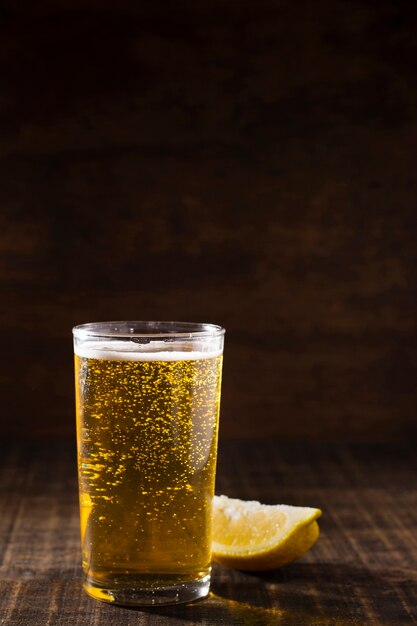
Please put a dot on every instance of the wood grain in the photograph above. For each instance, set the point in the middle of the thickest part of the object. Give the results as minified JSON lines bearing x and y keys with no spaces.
{"x":250,"y":164}
{"x":362,"y":571}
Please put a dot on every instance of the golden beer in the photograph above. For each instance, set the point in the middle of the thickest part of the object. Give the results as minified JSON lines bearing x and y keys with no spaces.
{"x":147,"y":426}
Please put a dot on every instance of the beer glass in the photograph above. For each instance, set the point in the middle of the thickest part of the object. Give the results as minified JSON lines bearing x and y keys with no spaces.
{"x":147,"y":399}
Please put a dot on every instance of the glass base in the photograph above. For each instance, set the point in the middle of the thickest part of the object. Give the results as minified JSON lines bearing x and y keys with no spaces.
{"x":155,"y":596}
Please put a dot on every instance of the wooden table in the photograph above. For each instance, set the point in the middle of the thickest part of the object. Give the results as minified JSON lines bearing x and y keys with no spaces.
{"x":362,"y":571}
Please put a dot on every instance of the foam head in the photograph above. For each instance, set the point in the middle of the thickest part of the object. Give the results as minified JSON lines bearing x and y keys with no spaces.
{"x":152,"y":351}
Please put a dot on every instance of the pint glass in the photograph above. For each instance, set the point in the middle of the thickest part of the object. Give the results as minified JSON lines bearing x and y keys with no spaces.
{"x":147,"y":399}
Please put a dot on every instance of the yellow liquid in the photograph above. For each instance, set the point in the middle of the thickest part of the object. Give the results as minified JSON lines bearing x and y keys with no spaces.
{"x":147,"y":442}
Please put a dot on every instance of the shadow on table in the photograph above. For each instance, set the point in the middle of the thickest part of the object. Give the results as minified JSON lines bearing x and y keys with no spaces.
{"x":301,"y":594}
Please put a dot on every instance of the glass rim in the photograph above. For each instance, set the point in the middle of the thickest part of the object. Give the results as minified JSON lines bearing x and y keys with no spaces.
{"x":126,"y":329}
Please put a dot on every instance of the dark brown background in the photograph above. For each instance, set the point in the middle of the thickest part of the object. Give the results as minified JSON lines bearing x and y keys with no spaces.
{"x":247,"y":163}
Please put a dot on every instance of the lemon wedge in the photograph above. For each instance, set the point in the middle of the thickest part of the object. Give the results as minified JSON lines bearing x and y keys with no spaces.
{"x":251,"y":536}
